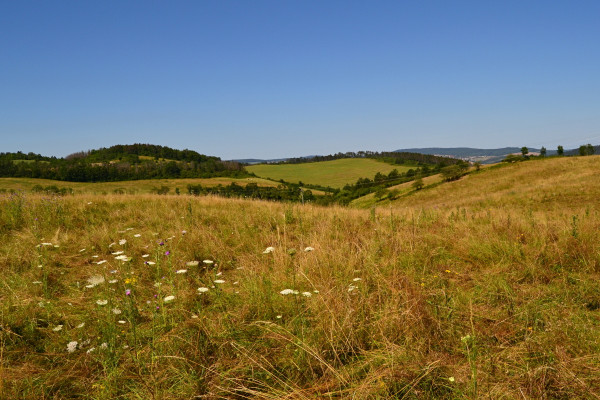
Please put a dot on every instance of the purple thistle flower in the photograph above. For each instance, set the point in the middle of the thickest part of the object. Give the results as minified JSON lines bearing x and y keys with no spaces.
{"x":167,"y":253}
{"x":127,"y":292}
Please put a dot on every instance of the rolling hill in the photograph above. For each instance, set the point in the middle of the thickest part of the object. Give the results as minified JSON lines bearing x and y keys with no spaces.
{"x":336,"y":173}
{"x":488,"y":286}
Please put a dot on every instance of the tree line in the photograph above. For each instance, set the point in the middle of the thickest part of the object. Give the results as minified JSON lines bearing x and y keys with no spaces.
{"x":119,"y":163}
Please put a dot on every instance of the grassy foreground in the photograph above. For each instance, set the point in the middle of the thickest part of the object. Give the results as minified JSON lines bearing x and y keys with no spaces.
{"x":493,"y":300}
{"x":335,"y":174}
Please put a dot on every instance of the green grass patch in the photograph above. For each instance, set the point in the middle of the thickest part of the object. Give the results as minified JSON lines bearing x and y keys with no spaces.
{"x":336,"y":173}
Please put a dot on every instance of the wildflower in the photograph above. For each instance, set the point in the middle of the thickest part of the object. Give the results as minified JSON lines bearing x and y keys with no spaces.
{"x":351,"y":288}
{"x":451,"y":379}
{"x":57,"y":328}
{"x":202,"y":289}
{"x":127,"y":292}
{"x":116,"y":311}
{"x":208,"y":262}
{"x":129,"y":229}
{"x":122,"y":242}
{"x":150,"y":262}
{"x":95,"y":256}
{"x":161,"y":243}
{"x":123,"y":257}
{"x":269,"y":250}
{"x":82,"y":250}
{"x":315,"y":291}
{"x":137,"y":235}
{"x":181,"y":271}
{"x":288,"y":291}
{"x":116,"y":253}
{"x":104,"y":346}
{"x":72,"y":346}
{"x":167,"y":253}
{"x":183,"y":232}
{"x":219,"y":281}
{"x":102,"y":302}
{"x":113,"y":271}
{"x":81,"y":325}
{"x":95,"y":281}
{"x":91,"y":349}
{"x":146,"y":256}
{"x":306,"y":294}
{"x":121,"y":321}
{"x":168,"y":299}
{"x":46,"y":244}
{"x":36,"y":282}
{"x":278,"y":317}
{"x":113,"y":281}
{"x":309,"y":249}
{"x":356,"y":279}
{"x":192,"y":263}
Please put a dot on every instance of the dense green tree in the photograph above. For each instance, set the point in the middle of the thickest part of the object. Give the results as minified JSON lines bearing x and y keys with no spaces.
{"x":560,"y":151}
{"x":524,"y":151}
{"x":543,"y":151}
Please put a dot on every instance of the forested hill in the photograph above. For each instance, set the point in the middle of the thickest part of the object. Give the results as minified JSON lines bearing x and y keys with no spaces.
{"x":118,"y":163}
{"x":132,"y":152}
{"x":388,"y":156}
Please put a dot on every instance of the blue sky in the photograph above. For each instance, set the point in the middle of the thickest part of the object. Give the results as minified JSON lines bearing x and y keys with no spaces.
{"x":268,"y":79}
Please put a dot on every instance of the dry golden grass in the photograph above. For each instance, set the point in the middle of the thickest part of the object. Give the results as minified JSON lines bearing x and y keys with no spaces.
{"x":130,"y":187}
{"x":465,"y":290}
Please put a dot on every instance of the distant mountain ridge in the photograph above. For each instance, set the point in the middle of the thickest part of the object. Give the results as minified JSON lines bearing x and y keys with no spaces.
{"x":486,"y":156}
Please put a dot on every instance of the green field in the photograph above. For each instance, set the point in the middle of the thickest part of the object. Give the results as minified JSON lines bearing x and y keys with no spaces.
{"x":137,"y":187}
{"x":336,"y":173}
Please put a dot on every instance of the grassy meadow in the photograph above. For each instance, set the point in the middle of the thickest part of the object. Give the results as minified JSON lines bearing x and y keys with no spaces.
{"x":335,"y":174}
{"x":128,"y":187}
{"x":487,"y":287}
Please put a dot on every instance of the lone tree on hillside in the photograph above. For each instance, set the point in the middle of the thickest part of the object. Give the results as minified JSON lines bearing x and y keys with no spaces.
{"x":524,"y":151}
{"x":543,"y":151}
{"x":418,"y":183}
{"x":560,"y":151}
{"x":586,"y":150}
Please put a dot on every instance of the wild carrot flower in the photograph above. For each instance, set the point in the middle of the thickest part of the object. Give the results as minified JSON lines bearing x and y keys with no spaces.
{"x":71,"y":346}
{"x":285,"y":292}
{"x":168,"y":299}
{"x":219,"y":281}
{"x":306,"y":294}
{"x":192,"y":263}
{"x":309,"y":249}
{"x":57,"y":328}
{"x":208,"y":262}
{"x":122,"y":242}
{"x":202,"y":289}
{"x":181,"y":271}
{"x":269,"y":250}
{"x":102,"y":302}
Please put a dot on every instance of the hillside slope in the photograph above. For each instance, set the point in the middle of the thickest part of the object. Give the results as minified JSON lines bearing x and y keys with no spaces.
{"x":336,"y":173}
{"x":540,"y":184}
{"x":487,"y":287}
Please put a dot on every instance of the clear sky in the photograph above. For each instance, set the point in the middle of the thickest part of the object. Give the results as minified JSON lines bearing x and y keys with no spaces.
{"x":278,"y":78}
